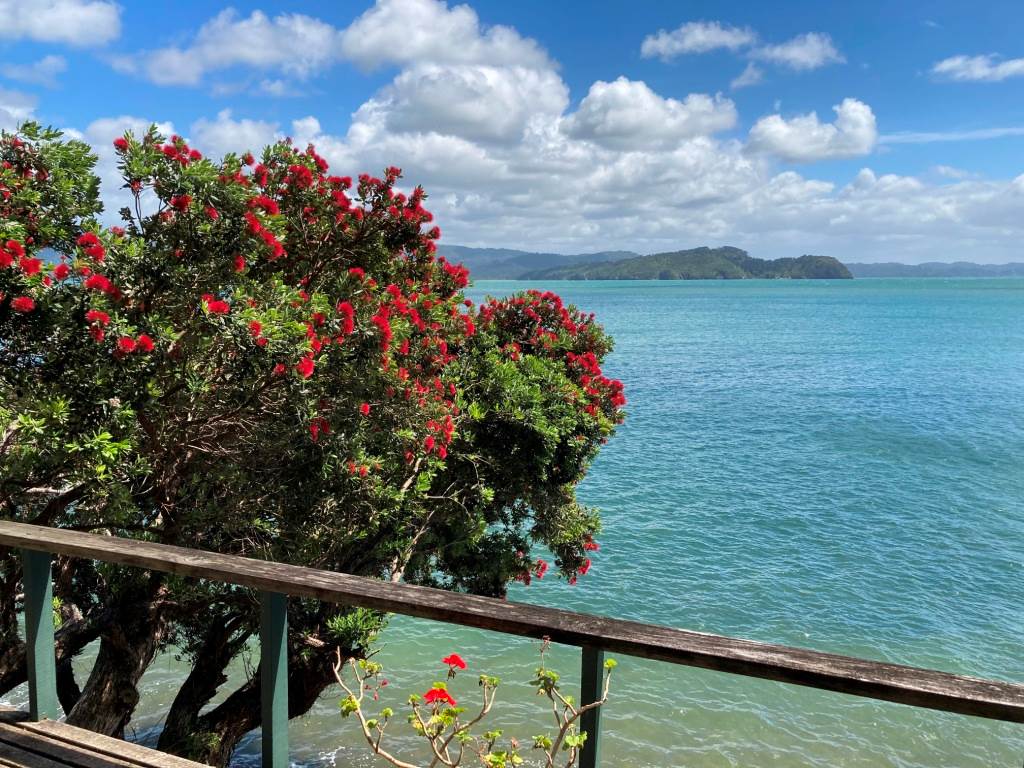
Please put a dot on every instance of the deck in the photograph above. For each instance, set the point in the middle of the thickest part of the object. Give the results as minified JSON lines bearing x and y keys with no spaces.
{"x":49,"y":744}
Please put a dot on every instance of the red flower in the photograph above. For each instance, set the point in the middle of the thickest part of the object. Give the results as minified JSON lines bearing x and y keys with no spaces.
{"x":279,"y":369}
{"x":305,"y":367}
{"x":454,"y":661}
{"x":98,"y":317}
{"x":121,"y":144}
{"x":428,"y":443}
{"x":30,"y":266}
{"x":117,"y":231}
{"x":15,"y":248}
{"x":215,"y":306}
{"x":265,"y":204}
{"x":99,"y":283}
{"x":6,"y":259}
{"x":365,"y":409}
{"x":212,"y":212}
{"x":542,"y":568}
{"x":585,"y":567}
{"x":61,"y":271}
{"x":181,"y":203}
{"x":97,"y":333}
{"x":357,"y":272}
{"x":439,"y":695}
{"x":126,"y":344}
{"x":97,"y":252}
{"x":348,"y":315}
{"x":591,"y":546}
{"x":145,"y":343}
{"x":255,"y":328}
{"x":23,"y":304}
{"x":239,"y":262}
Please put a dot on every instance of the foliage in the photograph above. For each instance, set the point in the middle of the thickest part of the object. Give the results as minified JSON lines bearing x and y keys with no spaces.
{"x":271,"y":361}
{"x":452,"y":735}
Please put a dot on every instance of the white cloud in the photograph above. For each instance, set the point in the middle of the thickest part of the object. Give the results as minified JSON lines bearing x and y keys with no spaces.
{"x":475,"y":101}
{"x":509,"y":163}
{"x":15,"y":107}
{"x":43,"y":72}
{"x":628,"y":114}
{"x":751,"y":75}
{"x":949,"y":172}
{"x":225,"y":134}
{"x":988,"y":68}
{"x":83,"y":23}
{"x":292,"y":43}
{"x":806,"y":139}
{"x":408,"y":31}
{"x":930,"y":137}
{"x":696,"y":37}
{"x":803,"y":52}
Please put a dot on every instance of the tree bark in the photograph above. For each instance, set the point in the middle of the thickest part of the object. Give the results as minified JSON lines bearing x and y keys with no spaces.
{"x":219,"y":731}
{"x":127,"y":647}
{"x":220,"y":646}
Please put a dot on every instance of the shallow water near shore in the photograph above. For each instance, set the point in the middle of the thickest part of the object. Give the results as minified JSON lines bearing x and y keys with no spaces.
{"x":830,"y":464}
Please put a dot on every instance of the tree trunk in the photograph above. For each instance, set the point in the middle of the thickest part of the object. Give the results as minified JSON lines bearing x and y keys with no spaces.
{"x":221,"y":645}
{"x":74,"y":635}
{"x":219,"y":731}
{"x":127,"y":647}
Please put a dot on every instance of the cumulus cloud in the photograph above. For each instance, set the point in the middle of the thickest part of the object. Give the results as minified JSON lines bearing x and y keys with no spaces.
{"x":476,"y":101}
{"x":809,"y":51}
{"x":43,"y":72}
{"x":291,"y":43}
{"x":225,"y":134}
{"x":751,"y":75}
{"x":15,"y":107}
{"x":628,"y":114}
{"x":407,"y":31}
{"x":989,"y":68}
{"x":83,"y":23}
{"x":508,"y":162}
{"x":805,"y":138}
{"x":696,"y":37}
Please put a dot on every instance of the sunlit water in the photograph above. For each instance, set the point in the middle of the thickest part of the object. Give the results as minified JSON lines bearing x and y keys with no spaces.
{"x":836,"y":465}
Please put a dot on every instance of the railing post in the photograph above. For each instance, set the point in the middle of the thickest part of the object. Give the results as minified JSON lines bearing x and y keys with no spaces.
{"x":274,"y":678}
{"x":590,"y":691}
{"x":39,"y":644}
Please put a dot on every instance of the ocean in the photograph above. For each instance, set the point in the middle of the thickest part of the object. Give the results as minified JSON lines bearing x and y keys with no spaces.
{"x":837,"y":465}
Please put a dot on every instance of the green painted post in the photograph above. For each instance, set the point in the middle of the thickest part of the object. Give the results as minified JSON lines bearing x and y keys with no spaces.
{"x":591,"y":689}
{"x":274,"y":678}
{"x":39,"y":644}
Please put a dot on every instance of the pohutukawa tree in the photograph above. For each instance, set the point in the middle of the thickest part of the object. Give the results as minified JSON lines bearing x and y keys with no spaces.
{"x":270,"y":361}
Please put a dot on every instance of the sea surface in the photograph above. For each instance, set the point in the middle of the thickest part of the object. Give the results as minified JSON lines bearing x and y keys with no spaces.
{"x":831,"y":464}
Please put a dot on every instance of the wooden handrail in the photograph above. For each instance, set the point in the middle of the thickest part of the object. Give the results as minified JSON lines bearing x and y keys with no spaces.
{"x":832,"y":672}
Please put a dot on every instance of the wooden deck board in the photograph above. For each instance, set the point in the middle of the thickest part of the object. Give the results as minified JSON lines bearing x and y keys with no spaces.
{"x":49,"y":744}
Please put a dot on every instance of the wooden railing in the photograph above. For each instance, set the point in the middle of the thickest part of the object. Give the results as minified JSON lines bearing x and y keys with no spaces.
{"x":594,"y":634}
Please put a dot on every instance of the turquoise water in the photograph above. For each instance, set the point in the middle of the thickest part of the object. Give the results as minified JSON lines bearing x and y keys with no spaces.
{"x":836,"y":465}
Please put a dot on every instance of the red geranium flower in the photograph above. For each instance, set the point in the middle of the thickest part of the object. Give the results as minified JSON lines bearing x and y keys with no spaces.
{"x":454,"y":660}
{"x":439,"y":695}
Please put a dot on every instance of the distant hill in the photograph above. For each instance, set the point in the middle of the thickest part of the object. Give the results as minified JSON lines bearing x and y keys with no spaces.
{"x":508,"y":264}
{"x":937,"y":269}
{"x":725,"y":263}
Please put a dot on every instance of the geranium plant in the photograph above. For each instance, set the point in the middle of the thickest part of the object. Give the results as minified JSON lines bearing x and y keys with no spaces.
{"x":266,"y":359}
{"x":453,"y":734}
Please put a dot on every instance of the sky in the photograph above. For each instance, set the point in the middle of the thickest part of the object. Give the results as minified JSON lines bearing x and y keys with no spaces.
{"x":871,"y":131}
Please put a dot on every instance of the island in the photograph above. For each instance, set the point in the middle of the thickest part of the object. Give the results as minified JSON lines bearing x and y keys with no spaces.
{"x":724,"y":263}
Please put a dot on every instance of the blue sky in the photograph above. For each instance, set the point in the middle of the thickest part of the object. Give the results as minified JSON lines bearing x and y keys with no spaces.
{"x":868,"y":131}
